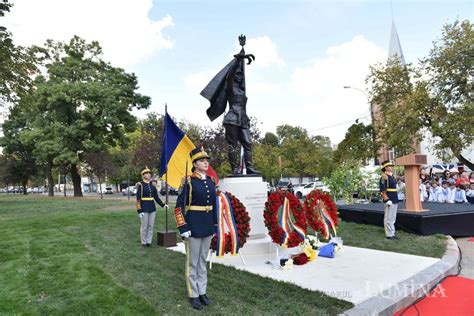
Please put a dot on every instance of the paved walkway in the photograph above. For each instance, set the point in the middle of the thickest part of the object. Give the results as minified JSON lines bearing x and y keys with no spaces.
{"x":467,"y":250}
{"x":354,"y":275}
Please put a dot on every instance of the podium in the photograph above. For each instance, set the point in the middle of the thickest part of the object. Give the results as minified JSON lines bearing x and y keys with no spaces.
{"x":412,"y":165}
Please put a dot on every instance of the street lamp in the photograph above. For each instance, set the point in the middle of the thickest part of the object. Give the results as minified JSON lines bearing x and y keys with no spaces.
{"x":372,"y":116}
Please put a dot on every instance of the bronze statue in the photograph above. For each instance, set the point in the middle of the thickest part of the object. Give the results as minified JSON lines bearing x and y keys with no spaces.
{"x":229,"y":86}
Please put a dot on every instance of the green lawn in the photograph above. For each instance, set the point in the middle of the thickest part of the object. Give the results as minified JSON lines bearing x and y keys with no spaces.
{"x":83,"y":256}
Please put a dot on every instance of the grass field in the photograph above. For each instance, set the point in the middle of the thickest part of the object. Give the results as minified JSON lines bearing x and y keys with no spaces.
{"x":83,"y":256}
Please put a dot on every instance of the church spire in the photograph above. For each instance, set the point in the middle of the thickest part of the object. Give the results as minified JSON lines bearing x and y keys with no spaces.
{"x":394,"y":48}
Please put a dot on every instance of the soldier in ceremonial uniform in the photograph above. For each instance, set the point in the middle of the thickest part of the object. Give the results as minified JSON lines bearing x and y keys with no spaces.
{"x":197,"y":223}
{"x":147,"y":194}
{"x":388,"y":190}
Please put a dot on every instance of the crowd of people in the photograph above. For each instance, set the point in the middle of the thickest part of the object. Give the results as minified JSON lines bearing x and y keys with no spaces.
{"x":450,"y":187}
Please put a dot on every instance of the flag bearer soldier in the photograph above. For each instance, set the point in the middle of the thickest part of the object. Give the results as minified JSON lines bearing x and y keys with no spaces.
{"x":197,"y":222}
{"x":388,"y":190}
{"x":147,"y":194}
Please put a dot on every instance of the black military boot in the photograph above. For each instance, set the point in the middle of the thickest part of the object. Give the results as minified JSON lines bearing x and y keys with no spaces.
{"x":249,"y":163}
{"x":195,"y":303}
{"x":205,"y":300}
{"x":234,"y":165}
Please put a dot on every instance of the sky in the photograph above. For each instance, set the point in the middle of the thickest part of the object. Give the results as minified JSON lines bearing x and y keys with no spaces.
{"x":306,"y":51}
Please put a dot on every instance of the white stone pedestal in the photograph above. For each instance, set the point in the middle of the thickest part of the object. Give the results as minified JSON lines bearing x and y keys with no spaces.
{"x":252,"y":192}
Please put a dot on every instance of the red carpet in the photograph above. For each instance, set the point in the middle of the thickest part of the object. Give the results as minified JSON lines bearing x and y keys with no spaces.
{"x":453,"y":297}
{"x":471,"y":239}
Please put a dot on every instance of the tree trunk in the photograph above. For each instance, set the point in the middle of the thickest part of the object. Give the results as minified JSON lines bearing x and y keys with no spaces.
{"x":76,"y":181}
{"x":469,"y":164}
{"x":100,"y":187}
{"x":23,"y":183}
{"x":49,"y":174}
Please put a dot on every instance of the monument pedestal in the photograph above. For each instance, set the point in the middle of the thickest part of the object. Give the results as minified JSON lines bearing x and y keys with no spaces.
{"x":252,"y":192}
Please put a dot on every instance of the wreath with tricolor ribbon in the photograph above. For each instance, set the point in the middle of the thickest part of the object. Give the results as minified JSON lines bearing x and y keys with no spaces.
{"x":321,"y":213}
{"x":285,"y":219}
{"x":231,"y":213}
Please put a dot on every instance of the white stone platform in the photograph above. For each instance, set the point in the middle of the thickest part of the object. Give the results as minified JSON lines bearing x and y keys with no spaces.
{"x":354,"y":275}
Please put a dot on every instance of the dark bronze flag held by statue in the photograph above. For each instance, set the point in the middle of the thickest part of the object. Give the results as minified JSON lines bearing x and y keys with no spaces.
{"x":228,"y":86}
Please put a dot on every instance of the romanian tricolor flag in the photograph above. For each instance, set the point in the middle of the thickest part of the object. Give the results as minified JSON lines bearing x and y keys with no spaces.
{"x":174,"y":154}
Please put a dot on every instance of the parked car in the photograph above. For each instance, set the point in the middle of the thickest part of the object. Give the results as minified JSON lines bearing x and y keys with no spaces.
{"x":106,"y":190}
{"x":303,"y":191}
{"x":132,"y":190}
{"x":282,"y":185}
{"x":270,"y":188}
{"x":171,"y":191}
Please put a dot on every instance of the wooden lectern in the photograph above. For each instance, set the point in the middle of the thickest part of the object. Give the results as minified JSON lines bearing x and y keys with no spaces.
{"x":412,"y":165}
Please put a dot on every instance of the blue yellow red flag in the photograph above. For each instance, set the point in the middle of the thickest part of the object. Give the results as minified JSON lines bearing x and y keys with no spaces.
{"x":174,"y":154}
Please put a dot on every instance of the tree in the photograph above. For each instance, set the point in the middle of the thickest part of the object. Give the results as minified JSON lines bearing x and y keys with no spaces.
{"x":22,"y":161}
{"x":357,"y":145}
{"x":16,"y":64}
{"x":412,"y":107}
{"x":100,"y":164}
{"x":83,"y":103}
{"x":302,"y":155}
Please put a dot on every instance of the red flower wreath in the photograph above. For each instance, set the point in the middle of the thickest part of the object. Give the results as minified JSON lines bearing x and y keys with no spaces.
{"x":242,"y":221}
{"x":273,"y":204}
{"x":312,"y":213}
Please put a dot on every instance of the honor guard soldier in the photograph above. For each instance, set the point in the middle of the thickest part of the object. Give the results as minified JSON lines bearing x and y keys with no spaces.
{"x":197,"y":223}
{"x":389,"y":192}
{"x":147,"y":194}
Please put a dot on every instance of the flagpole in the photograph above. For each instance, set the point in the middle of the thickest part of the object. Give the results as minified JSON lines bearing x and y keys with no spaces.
{"x":166,"y":176}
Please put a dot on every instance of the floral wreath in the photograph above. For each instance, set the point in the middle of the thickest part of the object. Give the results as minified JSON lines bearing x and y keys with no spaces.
{"x":270,"y":214}
{"x":242,"y":221}
{"x":321,"y":212}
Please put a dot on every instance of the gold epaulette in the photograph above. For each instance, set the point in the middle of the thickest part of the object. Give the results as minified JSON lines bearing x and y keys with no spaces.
{"x":138,"y":183}
{"x":384,"y":177}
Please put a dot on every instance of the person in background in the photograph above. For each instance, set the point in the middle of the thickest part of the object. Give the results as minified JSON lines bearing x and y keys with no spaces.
{"x":147,"y":195}
{"x":423,"y":194}
{"x":454,"y":178}
{"x":446,"y":175}
{"x":460,"y":195}
{"x":427,"y":191}
{"x":464,"y":179}
{"x":445,"y":191}
{"x":388,"y":190}
{"x":401,"y":189}
{"x":436,"y":193}
{"x":470,"y":193}
{"x":451,"y":193}
{"x":471,"y":178}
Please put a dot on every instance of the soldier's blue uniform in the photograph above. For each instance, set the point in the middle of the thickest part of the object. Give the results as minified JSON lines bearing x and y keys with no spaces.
{"x":147,"y":194}
{"x":200,"y":197}
{"x":388,"y":184}
{"x":388,"y":190}
{"x":195,"y":214}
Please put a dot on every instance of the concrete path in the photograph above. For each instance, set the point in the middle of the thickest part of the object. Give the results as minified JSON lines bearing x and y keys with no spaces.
{"x":354,"y":275}
{"x":467,"y":262}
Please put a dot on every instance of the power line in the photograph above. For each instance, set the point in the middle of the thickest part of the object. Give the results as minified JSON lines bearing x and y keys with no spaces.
{"x":339,"y":124}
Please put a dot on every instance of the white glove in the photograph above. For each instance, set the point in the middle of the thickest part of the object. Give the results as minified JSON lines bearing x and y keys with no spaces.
{"x":389,"y":203}
{"x":186,"y":234}
{"x":141,"y":215}
{"x":166,"y":206}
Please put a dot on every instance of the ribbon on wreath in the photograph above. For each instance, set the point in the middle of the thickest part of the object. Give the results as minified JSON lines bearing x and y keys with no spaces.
{"x":286,"y":221}
{"x":327,"y":220}
{"x":225,"y":215}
